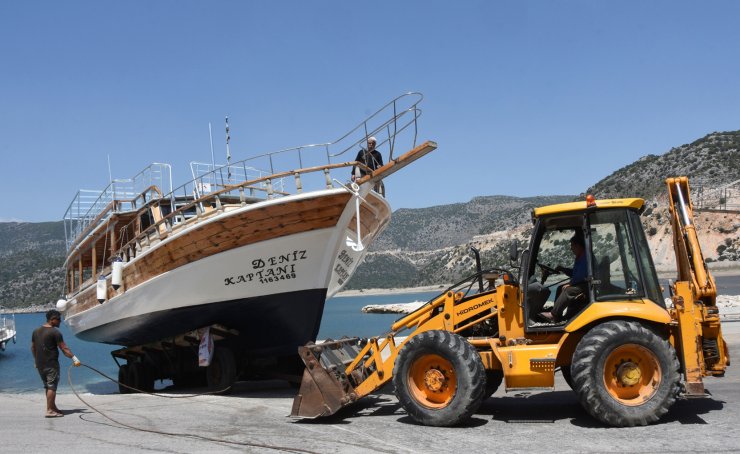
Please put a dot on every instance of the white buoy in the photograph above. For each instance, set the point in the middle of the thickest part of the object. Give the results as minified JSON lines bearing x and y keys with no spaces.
{"x":102,"y":289}
{"x":117,"y":274}
{"x":61,"y":304}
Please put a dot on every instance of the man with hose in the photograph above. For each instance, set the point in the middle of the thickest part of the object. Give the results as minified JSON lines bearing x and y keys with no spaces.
{"x":46,"y":342}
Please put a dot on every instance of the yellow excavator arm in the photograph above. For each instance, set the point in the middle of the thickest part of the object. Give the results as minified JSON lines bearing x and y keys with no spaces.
{"x":697,"y":333}
{"x":689,"y":258}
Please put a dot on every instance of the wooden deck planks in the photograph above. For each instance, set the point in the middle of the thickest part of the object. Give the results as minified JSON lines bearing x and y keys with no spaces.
{"x":211,"y":238}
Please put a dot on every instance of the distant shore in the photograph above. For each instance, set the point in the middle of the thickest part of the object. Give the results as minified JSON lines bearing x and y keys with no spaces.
{"x":37,"y":309}
{"x":391,"y":291}
{"x":716,"y":268}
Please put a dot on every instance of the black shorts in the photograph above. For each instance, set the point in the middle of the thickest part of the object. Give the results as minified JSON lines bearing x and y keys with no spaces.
{"x":50,"y":378}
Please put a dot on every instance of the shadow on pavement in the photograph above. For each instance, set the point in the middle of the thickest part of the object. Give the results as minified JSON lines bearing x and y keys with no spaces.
{"x":687,"y":411}
{"x":542,"y":408}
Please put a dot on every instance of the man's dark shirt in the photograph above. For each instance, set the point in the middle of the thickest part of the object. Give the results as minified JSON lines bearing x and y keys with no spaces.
{"x":372,"y":159}
{"x":46,"y":342}
{"x":580,"y":270}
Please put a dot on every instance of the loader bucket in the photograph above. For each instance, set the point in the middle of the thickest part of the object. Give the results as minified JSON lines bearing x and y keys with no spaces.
{"x":325,"y":388}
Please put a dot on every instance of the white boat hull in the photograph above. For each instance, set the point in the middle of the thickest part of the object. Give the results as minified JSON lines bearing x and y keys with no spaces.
{"x":271,"y":291}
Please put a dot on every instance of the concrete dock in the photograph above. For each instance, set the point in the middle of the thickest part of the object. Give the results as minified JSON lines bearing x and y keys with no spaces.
{"x":255,"y":419}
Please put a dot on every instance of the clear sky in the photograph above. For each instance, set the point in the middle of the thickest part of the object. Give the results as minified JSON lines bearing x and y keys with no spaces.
{"x":523,"y":97}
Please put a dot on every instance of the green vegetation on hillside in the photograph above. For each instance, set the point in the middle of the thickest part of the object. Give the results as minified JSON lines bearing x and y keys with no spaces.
{"x":32,"y":255}
{"x":424,"y":229}
{"x":712,"y":161}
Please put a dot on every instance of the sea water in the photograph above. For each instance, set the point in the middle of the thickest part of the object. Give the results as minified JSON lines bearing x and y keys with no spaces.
{"x":342,"y":317}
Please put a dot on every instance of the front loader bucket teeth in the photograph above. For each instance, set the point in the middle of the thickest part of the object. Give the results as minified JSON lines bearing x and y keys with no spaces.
{"x":325,"y":388}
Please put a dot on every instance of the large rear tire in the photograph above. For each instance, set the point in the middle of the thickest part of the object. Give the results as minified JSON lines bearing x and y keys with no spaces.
{"x":221,"y":373}
{"x":625,"y":374}
{"x":439,"y":378}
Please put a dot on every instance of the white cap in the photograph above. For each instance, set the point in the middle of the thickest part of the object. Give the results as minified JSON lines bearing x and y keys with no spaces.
{"x":372,"y":139}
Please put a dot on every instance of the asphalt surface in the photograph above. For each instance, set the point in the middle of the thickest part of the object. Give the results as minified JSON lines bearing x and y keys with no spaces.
{"x":255,"y":419}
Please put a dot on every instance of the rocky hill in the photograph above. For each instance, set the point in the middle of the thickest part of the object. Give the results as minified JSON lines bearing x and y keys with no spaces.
{"x":32,"y":256}
{"x":711,"y":161}
{"x":437,"y":227}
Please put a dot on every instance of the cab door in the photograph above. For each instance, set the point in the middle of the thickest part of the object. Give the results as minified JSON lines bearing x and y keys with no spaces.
{"x":550,"y":249}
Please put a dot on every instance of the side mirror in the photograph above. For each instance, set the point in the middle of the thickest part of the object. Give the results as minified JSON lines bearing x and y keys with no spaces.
{"x":478,"y":268}
{"x":513,"y":251}
{"x":523,"y":266}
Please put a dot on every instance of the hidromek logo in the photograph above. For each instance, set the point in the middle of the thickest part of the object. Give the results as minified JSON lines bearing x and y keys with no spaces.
{"x":474,"y":307}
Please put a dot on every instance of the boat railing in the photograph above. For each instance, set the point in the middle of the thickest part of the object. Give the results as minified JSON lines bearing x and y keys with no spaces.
{"x":189,"y":209}
{"x":206,"y":181}
{"x":280,"y":173}
{"x":90,"y":208}
{"x":393,"y":125}
{"x":276,"y":174}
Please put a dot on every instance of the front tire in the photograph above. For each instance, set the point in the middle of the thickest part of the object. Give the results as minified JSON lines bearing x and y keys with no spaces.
{"x":625,"y":374}
{"x":439,"y":378}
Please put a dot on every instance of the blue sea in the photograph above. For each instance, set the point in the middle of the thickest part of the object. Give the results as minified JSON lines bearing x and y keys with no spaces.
{"x":342,"y":317}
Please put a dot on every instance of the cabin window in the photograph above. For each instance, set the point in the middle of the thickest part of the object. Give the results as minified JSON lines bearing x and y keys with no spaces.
{"x":614,"y":261}
{"x":554,"y":250}
{"x":650,"y":276}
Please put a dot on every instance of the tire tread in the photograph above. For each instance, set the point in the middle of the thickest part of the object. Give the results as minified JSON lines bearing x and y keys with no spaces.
{"x":590,"y":389}
{"x":471,"y":371}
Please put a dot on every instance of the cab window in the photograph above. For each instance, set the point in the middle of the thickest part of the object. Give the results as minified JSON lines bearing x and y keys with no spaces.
{"x":615,"y":267}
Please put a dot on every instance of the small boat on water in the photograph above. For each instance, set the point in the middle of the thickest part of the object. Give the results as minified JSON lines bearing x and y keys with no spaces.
{"x":251,"y":248}
{"x":7,"y":330}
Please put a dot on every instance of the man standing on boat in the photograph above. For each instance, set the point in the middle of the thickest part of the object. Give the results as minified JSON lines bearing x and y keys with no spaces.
{"x":46,"y":342}
{"x":372,"y":159}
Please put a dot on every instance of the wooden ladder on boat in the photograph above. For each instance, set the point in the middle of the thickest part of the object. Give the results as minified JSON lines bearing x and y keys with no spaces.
{"x":394,"y":165}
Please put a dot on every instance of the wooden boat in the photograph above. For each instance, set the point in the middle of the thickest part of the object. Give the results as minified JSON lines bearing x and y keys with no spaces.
{"x":256,"y":252}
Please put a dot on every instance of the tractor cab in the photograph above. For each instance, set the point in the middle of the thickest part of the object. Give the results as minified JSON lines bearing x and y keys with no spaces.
{"x":581,"y":255}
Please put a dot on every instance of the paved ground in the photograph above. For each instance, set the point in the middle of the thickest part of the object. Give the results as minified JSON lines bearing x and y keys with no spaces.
{"x":256,"y":416}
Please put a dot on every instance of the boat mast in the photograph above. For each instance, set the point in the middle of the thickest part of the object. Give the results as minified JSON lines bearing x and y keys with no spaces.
{"x":228,"y":150}
{"x":210,"y":137}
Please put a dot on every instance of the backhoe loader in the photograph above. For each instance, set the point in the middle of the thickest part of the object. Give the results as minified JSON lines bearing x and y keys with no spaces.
{"x":626,"y":353}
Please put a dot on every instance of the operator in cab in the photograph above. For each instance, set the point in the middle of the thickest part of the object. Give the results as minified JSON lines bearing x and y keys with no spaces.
{"x":573,"y":293}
